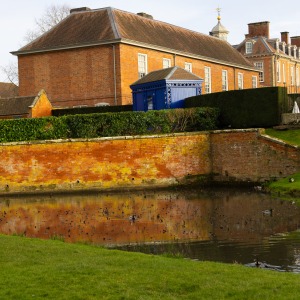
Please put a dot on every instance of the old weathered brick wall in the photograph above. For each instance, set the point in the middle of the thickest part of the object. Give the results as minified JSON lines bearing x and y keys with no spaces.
{"x":138,"y":162}
{"x":246,"y":155}
{"x":105,"y":163}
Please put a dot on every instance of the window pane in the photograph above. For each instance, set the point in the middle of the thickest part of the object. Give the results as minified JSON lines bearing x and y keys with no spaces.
{"x":142,"y":65}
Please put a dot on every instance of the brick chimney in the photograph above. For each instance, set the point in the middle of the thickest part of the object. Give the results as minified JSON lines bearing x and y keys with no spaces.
{"x":258,"y":29}
{"x":142,"y":14}
{"x":295,"y":40}
{"x":285,"y":37}
{"x":79,"y":9}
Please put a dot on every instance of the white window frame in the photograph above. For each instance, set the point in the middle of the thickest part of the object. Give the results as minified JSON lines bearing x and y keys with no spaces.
{"x":249,"y":47}
{"x":240,"y":81}
{"x":278,"y":73}
{"x":224,"y":80}
{"x":166,"y":63}
{"x":260,"y":66}
{"x":142,"y":65}
{"x":207,"y":80}
{"x":254,"y":82}
{"x":188,"y":67}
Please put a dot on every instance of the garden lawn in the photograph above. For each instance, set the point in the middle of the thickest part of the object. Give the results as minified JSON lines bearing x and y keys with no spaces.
{"x":51,"y":269}
{"x":288,"y":187}
{"x":291,"y":136}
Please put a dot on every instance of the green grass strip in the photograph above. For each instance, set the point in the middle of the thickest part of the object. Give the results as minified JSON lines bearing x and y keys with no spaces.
{"x":291,"y":136}
{"x":39,"y":269}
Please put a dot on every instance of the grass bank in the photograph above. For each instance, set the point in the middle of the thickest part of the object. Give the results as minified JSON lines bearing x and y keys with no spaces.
{"x":286,"y":187}
{"x":36,"y":269}
{"x":291,"y":136}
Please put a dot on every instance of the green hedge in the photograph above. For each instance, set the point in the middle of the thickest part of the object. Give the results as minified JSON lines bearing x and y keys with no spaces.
{"x":109,"y":124}
{"x":260,"y":107}
{"x":58,"y":112}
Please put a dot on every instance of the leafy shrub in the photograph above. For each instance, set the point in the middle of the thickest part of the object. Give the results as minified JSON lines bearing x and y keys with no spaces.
{"x":109,"y":124}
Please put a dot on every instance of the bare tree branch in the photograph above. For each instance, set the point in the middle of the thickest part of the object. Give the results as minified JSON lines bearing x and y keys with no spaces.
{"x":52,"y":16}
{"x":11,"y":72}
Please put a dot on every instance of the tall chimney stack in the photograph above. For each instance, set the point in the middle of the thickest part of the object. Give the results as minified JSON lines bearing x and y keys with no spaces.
{"x":258,"y":29}
{"x":285,"y":37}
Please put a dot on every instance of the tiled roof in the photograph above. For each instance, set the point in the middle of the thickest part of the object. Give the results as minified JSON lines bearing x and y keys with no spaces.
{"x":174,"y":73}
{"x":109,"y":25}
{"x":15,"y":106}
{"x":8,"y":90}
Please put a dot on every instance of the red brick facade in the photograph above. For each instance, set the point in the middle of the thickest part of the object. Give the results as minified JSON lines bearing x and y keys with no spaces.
{"x":278,"y":58}
{"x":99,"y":61}
{"x":88,"y":76}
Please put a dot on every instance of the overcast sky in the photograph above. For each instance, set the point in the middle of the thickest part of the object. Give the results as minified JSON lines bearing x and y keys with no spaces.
{"x":18,"y":16}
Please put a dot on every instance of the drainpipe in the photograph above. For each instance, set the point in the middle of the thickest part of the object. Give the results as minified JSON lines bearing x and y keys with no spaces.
{"x":115,"y":77}
{"x":234,"y":83}
{"x":274,"y":70}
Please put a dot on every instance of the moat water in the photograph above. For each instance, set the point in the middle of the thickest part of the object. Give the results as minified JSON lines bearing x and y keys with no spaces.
{"x":224,"y":225}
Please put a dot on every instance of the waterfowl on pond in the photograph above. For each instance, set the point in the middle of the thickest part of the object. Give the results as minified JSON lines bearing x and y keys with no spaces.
{"x":268,"y":212}
{"x":132,"y":218}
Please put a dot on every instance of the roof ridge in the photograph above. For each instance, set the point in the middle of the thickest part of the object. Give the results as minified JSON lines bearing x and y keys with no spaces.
{"x":113,"y":23}
{"x":172,"y":71}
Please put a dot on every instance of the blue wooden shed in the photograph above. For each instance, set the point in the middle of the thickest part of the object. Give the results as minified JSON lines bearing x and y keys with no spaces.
{"x":164,"y":89}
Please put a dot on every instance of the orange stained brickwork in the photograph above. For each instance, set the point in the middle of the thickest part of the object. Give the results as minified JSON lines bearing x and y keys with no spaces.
{"x":42,"y":107}
{"x":105,"y":164}
{"x":138,"y":162}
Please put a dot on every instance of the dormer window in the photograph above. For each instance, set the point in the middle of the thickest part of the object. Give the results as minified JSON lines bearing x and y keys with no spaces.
{"x":283,"y":47}
{"x":249,"y":47}
{"x":289,"y":51}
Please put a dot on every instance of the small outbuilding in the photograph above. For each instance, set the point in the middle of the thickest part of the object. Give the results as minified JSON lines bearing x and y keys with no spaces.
{"x":26,"y":107}
{"x":164,"y":89}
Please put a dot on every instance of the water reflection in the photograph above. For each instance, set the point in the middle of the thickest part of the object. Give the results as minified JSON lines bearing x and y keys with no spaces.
{"x":221,"y":225}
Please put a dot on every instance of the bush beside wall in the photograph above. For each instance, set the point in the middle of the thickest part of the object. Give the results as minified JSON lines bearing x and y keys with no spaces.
{"x":90,"y":110}
{"x":109,"y":124}
{"x":245,"y":108}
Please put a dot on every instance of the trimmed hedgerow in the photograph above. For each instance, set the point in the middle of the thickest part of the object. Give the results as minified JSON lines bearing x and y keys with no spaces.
{"x":109,"y":124}
{"x":245,"y":108}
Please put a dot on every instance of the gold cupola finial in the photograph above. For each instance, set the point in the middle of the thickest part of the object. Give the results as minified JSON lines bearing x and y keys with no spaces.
{"x":219,"y":13}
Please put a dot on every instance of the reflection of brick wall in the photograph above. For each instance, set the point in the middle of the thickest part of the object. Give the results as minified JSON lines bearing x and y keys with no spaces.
{"x":110,"y":163}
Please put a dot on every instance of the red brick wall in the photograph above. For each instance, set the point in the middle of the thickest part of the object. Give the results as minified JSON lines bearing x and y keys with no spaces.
{"x":42,"y":107}
{"x":238,"y":155}
{"x":70,"y":78}
{"x":105,"y":164}
{"x":85,"y":76}
{"x":246,"y":155}
{"x":129,"y":69}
